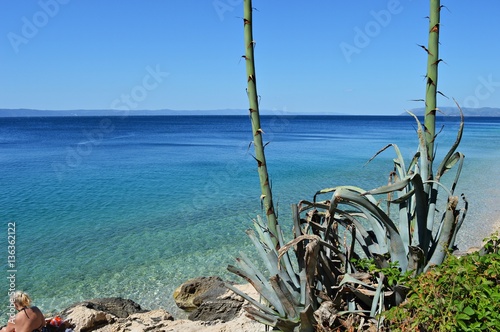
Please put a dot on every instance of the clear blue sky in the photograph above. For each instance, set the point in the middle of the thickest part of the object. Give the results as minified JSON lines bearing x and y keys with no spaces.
{"x":354,"y":57}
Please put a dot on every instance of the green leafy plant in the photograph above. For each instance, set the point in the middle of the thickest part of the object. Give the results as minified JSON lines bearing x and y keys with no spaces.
{"x":392,"y":273}
{"x":462,"y":294}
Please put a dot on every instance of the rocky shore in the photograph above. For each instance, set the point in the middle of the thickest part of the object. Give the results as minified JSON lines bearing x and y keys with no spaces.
{"x":210,"y":306}
{"x":207,"y":303}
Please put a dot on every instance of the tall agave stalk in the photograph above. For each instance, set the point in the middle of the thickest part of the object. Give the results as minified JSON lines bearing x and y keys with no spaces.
{"x":430,"y":113}
{"x":266,"y":193}
{"x":432,"y":78}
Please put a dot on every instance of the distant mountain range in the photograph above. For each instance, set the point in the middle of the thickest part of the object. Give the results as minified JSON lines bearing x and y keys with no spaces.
{"x":36,"y":113}
{"x":444,"y":111}
{"x":453,"y":111}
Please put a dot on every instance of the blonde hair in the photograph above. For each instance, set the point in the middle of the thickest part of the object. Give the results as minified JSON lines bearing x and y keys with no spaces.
{"x":20,"y":298}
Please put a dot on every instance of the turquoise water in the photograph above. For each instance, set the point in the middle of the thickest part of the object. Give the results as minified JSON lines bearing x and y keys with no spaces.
{"x":133,"y":207}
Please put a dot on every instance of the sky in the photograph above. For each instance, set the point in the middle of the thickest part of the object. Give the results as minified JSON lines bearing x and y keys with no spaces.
{"x":351,"y":57}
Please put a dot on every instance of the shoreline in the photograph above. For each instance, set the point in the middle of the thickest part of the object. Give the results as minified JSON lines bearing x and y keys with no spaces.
{"x":180,"y":322}
{"x":160,"y":319}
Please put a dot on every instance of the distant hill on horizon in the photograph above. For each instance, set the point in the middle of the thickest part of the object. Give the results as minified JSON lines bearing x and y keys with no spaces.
{"x":23,"y":112}
{"x":453,"y":111}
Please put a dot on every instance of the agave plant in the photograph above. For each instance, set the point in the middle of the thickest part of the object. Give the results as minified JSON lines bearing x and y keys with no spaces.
{"x":331,"y":234}
{"x":324,"y":285}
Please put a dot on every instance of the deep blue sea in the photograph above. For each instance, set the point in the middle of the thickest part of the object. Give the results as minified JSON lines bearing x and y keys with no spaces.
{"x":134,"y":206}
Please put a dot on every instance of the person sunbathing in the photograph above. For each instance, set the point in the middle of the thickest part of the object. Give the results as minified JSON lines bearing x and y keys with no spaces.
{"x":28,"y":319}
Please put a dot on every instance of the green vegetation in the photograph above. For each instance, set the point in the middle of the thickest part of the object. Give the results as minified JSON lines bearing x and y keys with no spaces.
{"x":461,"y":294}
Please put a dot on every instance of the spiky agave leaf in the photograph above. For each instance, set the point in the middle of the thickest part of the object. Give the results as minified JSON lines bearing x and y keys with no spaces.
{"x":446,"y":234}
{"x":354,"y":198}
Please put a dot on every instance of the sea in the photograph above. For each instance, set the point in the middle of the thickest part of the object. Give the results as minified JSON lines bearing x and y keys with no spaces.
{"x":133,"y":206}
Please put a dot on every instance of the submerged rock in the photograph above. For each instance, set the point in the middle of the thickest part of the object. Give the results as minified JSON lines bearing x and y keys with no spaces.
{"x":192,"y":293}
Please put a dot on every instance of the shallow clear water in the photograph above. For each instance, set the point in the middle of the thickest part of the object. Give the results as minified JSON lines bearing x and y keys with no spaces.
{"x":133,"y":207}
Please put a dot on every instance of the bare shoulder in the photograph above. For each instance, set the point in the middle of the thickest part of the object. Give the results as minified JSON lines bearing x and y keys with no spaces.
{"x":21,"y":317}
{"x":29,"y":319}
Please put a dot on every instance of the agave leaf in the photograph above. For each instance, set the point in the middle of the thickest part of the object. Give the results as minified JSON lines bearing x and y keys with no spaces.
{"x":413,"y":162}
{"x":264,"y":233}
{"x":311,"y":258}
{"x":366,"y":241}
{"x":261,"y":251}
{"x":286,"y":258}
{"x":404,"y":198}
{"x":304,"y":299}
{"x":348,"y":312}
{"x":270,"y":256}
{"x":377,"y":228}
{"x":422,"y":228}
{"x":306,"y":205}
{"x":378,"y":152}
{"x":350,"y":250}
{"x":326,"y":275}
{"x":261,"y":317}
{"x":288,"y":325}
{"x":323,"y":191}
{"x":398,"y":161}
{"x":307,"y":321}
{"x":351,"y":304}
{"x":460,"y":222}
{"x":347,"y":278}
{"x":300,"y":254}
{"x":285,"y":298}
{"x":361,"y":295}
{"x":310,"y":262}
{"x":404,"y":222}
{"x":377,"y":295}
{"x":400,"y":293}
{"x":284,"y":325}
{"x":459,"y":170}
{"x":437,"y":184}
{"x":259,"y":286}
{"x":416,"y":260}
{"x":351,"y":188}
{"x":447,"y":164}
{"x":400,"y":185}
{"x":422,"y":147}
{"x":254,"y":302}
{"x":355,"y":193}
{"x":397,"y":249}
{"x":251,"y":267}
{"x":449,"y":222}
{"x":446,"y":160}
